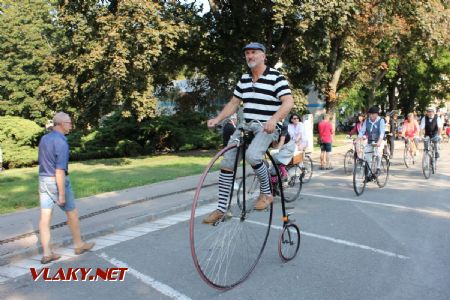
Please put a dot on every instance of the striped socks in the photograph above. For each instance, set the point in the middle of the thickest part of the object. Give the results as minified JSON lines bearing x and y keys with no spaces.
{"x":225,"y":186}
{"x":263,"y":176}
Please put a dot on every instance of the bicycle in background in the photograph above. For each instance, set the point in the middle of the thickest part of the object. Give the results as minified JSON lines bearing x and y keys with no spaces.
{"x":351,"y":156}
{"x":363,"y":171}
{"x":429,"y":160}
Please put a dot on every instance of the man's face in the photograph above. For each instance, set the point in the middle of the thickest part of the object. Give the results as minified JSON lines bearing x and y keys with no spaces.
{"x":254,"y":57}
{"x":373,"y":117}
{"x":430,"y":114}
{"x":66,"y":126}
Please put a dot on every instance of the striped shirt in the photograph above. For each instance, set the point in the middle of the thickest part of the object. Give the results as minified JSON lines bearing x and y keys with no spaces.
{"x":262,"y":98}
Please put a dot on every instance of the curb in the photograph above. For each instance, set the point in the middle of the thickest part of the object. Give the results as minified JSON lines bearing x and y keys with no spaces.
{"x":22,"y":254}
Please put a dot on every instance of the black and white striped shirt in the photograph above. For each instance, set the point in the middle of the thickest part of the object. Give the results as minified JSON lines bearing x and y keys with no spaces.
{"x":262,"y":98}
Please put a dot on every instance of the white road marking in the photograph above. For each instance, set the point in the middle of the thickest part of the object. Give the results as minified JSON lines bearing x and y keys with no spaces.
{"x":437,"y":212}
{"x":339,"y":241}
{"x":159,"y":286}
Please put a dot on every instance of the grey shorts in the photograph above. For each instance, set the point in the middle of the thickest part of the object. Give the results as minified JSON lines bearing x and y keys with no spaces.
{"x":255,"y":152}
{"x":48,"y":193}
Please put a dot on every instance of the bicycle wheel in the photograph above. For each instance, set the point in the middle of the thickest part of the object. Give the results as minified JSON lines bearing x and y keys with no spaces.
{"x":349,"y":162}
{"x":308,"y":165}
{"x":407,"y":157}
{"x":383,"y":176}
{"x":359,"y":177}
{"x":225,"y":253}
{"x":251,"y":193}
{"x":289,"y":242}
{"x":292,"y":190}
{"x":426,"y":164}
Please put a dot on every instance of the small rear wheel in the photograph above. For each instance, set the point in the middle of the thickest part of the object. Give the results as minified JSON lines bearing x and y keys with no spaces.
{"x":289,"y":242}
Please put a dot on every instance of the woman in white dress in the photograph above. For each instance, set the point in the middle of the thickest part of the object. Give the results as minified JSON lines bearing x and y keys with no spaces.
{"x":297,"y":132}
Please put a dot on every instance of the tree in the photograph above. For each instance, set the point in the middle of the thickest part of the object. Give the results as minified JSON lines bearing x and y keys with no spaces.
{"x":27,"y":36}
{"x":109,"y":58}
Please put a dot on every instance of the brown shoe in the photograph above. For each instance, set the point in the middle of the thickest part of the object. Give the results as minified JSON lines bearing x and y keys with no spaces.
{"x":213,"y":217}
{"x":264,"y":200}
{"x":84,"y":248}
{"x":49,"y":259}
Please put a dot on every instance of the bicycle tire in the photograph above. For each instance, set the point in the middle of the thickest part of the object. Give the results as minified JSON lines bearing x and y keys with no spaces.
{"x":294,"y":185}
{"x":308,"y":165}
{"x":383,"y":177}
{"x":407,"y":157}
{"x":426,"y":165}
{"x":359,"y":177}
{"x":225,"y":253}
{"x":289,"y":242}
{"x":349,"y":162}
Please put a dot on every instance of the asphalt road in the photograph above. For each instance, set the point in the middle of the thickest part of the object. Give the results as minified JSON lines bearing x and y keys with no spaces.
{"x":390,"y":243}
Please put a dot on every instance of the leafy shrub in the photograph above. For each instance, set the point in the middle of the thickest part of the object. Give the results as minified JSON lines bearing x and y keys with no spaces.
{"x":119,"y":137}
{"x":19,"y":140}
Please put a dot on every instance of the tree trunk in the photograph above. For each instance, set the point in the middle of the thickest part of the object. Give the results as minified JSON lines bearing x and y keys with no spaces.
{"x":391,"y":95}
{"x":331,"y":97}
{"x":383,"y":68}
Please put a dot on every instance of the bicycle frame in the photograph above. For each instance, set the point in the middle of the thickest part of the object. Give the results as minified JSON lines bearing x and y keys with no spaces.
{"x":242,"y":146}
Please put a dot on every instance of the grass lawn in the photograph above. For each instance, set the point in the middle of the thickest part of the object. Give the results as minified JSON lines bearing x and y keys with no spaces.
{"x":19,"y":187}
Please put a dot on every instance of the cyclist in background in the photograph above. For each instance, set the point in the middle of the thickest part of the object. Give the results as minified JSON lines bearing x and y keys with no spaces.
{"x":390,"y":130}
{"x":410,"y":131}
{"x":297,"y":132}
{"x":357,"y":128}
{"x":373,"y":130}
{"x":432,"y":125}
{"x":286,"y":148}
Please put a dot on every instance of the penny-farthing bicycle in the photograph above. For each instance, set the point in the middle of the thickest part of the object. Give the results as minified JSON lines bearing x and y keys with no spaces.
{"x":226,"y":253}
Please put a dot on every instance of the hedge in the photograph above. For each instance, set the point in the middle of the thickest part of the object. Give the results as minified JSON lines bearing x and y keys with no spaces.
{"x":116,"y":137}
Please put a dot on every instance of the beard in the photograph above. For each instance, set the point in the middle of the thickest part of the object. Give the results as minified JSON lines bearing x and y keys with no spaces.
{"x":251,"y":64}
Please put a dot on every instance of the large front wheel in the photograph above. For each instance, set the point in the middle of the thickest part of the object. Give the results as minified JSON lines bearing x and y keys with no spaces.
{"x":226,"y":252}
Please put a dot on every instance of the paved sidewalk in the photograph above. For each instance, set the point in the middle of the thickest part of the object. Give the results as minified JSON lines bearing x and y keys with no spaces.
{"x":109,"y":212}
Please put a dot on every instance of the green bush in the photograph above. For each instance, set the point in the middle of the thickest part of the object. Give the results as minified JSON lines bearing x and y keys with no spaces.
{"x":119,"y":137}
{"x":19,"y":140}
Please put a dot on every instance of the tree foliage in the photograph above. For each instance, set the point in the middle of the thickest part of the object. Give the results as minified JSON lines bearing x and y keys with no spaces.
{"x":27,"y":36}
{"x":109,"y":58}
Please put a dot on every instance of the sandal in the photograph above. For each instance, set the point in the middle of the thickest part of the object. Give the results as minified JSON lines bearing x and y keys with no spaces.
{"x":49,"y":259}
{"x":84,"y":248}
